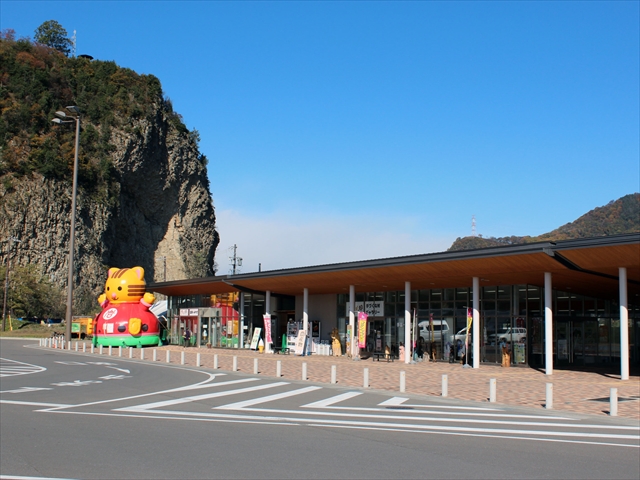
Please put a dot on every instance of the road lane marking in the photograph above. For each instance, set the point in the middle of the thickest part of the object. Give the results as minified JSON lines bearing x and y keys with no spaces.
{"x":394,"y":401}
{"x":196,"y":398}
{"x":36,"y":404}
{"x":11,"y":368}
{"x":332,"y":400}
{"x":268,"y":398}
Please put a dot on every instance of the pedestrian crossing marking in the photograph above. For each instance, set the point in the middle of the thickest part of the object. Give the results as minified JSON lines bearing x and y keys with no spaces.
{"x":332,"y":400}
{"x":269,"y":398}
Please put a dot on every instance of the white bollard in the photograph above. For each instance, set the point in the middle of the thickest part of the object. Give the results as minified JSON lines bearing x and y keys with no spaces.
{"x":279,"y":368}
{"x":403,"y":381}
{"x":255,"y":366}
{"x":101,"y":348}
{"x":76,"y":346}
{"x":304,"y":370}
{"x":492,"y":390}
{"x":142,"y":354}
{"x":92,"y":347}
{"x":181,"y":358}
{"x":69,"y":345}
{"x":215,"y":361}
{"x":120,"y":350}
{"x":549,"y":396}
{"x":334,"y":374}
{"x":198,"y":358}
{"x":613,"y":402}
{"x":130,"y":352}
{"x":84,"y":347}
{"x":155,"y":355}
{"x":235,"y":363}
{"x":365,"y":382}
{"x":445,"y":385}
{"x":110,"y":350}
{"x":168,"y":356}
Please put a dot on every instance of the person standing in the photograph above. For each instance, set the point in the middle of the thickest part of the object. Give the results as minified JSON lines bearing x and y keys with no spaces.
{"x":187,"y":337}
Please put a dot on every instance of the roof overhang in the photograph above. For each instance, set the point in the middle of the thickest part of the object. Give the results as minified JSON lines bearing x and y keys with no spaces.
{"x":585,"y":266}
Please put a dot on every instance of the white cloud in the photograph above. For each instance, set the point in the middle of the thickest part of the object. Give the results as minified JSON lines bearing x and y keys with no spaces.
{"x":280,"y":240}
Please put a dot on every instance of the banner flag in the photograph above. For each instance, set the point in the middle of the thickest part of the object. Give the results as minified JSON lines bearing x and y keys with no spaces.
{"x":469,"y":322}
{"x":362,"y":329}
{"x":267,"y":328}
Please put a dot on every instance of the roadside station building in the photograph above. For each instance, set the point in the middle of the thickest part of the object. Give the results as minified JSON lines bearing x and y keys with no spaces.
{"x":582,"y":294}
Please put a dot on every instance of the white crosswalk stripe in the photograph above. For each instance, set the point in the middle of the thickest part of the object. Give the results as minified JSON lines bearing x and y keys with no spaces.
{"x":10,"y":368}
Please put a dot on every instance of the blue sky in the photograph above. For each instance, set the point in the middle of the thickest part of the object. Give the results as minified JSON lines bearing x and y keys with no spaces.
{"x":340,"y":131}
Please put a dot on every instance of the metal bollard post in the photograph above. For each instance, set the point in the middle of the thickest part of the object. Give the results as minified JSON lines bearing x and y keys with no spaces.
{"x":198,"y":358}
{"x":403,"y":381}
{"x":168,"y":356}
{"x":255,"y":366}
{"x":84,"y":347}
{"x":69,"y":345}
{"x":101,"y":349}
{"x":130,"y":352}
{"x":235,"y":363}
{"x":155,"y":355}
{"x":492,"y":390}
{"x":279,"y":368}
{"x":445,"y":385}
{"x":334,"y":372}
{"x":613,"y":402}
{"x":110,"y":350}
{"x":181,"y":358}
{"x":120,"y":350}
{"x":215,"y":361}
{"x":91,"y":347}
{"x":142,"y":354}
{"x":304,"y":370}
{"x":365,"y":382}
{"x":549,"y":396}
{"x":76,"y":346}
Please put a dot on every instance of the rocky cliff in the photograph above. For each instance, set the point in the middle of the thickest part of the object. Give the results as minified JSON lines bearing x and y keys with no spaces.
{"x":143,"y":195}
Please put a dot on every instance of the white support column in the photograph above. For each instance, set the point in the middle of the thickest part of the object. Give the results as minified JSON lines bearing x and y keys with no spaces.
{"x":407,"y":322}
{"x":548,"y":324}
{"x":267,"y":310}
{"x":624,"y":325}
{"x":241,"y":329}
{"x":352,"y":318}
{"x":305,"y":310}
{"x":477,"y":335}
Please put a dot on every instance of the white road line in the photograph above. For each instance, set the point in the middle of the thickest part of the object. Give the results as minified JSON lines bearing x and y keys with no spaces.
{"x":434,"y":419}
{"x":17,"y":402}
{"x":268,"y":398}
{"x":10,"y":368}
{"x":196,"y":398}
{"x":332,"y":400}
{"x":19,"y":477}
{"x":394,"y":401}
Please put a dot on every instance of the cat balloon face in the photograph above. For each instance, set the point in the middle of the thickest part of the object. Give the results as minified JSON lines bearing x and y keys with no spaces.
{"x":125,"y":285}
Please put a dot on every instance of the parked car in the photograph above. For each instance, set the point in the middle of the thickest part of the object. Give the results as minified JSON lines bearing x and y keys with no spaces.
{"x":513,"y":335}
{"x":441,"y":331}
{"x":462,"y":336}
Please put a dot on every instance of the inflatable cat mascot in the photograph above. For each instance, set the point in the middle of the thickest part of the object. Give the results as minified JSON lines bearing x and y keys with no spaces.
{"x":125,"y":319}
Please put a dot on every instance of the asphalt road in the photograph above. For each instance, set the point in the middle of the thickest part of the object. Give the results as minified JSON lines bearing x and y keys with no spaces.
{"x":73,"y":415}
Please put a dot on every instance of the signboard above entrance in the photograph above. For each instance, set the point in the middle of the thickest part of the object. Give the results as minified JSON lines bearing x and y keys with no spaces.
{"x":373,"y":309}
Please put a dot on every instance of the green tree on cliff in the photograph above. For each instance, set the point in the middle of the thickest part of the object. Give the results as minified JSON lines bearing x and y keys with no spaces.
{"x":53,"y":35}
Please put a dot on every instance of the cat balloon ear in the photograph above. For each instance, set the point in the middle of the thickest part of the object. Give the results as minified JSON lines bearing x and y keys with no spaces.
{"x":112,"y":271}
{"x":139,"y":272}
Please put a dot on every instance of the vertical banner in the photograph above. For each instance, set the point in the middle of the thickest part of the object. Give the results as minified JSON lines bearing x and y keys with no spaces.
{"x":348,"y":340}
{"x":267,"y":328}
{"x":466,"y":342}
{"x":362,"y":330}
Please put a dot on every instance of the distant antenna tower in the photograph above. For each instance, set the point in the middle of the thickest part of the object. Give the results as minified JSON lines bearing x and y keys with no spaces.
{"x":235,"y":260}
{"x":73,"y":43}
{"x":473,"y":225}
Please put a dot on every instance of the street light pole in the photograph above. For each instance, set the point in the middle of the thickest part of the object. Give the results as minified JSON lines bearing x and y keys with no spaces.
{"x":63,"y":118}
{"x":6,"y":282}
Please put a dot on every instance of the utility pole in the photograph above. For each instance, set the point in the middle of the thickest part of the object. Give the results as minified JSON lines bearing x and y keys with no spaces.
{"x":235,"y":260}
{"x":6,"y":282}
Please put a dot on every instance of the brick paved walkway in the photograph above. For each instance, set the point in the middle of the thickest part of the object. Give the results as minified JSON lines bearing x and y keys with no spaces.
{"x":573,"y":391}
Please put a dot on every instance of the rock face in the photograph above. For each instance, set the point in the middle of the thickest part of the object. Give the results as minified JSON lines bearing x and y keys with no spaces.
{"x":164,"y":219}
{"x":143,"y":192}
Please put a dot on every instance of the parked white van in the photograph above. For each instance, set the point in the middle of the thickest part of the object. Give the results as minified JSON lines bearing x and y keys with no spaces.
{"x":441,"y":331}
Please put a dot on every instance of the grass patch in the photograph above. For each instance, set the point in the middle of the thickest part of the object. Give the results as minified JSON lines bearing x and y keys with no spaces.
{"x":30,"y":330}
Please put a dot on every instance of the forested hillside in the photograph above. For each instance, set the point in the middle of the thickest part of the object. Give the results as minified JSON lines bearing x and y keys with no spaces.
{"x":619,"y":216}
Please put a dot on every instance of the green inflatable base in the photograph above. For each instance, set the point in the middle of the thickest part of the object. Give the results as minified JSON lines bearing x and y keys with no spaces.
{"x":128,"y":341}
